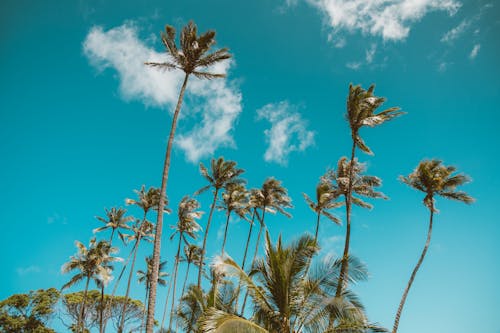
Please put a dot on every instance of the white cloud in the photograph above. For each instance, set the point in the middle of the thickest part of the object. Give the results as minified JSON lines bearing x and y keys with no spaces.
{"x":390,"y":19}
{"x":443,"y":66}
{"x":475,"y":51}
{"x":288,"y":131}
{"x":353,"y":65}
{"x":219,"y":100}
{"x":454,"y":33}
{"x":371,"y":53}
{"x":22,"y":271}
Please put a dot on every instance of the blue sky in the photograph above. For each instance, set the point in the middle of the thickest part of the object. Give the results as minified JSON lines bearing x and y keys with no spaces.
{"x":83,"y":123}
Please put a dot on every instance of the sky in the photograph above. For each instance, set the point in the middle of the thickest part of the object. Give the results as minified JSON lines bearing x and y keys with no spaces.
{"x":83,"y":123}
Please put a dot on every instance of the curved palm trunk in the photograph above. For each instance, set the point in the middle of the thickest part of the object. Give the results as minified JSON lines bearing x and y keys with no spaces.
{"x":206,"y":235}
{"x":225,"y":232}
{"x":165,"y":309}
{"x":176,"y":266}
{"x":344,"y":269}
{"x":255,"y":255}
{"x":122,"y":320}
{"x":159,"y":221}
{"x":80,"y":323}
{"x":185,"y":279}
{"x":413,"y":274}
{"x":244,"y":259}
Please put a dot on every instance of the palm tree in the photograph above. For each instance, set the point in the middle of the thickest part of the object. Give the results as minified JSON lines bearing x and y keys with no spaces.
{"x":222,"y":173}
{"x":326,"y":197}
{"x":145,"y":277}
{"x":186,"y":225}
{"x":115,"y":220}
{"x":192,"y":255}
{"x":94,"y":263}
{"x":192,"y":57}
{"x":432,"y":178}
{"x":142,"y":230}
{"x":361,"y":107}
{"x":272,"y":198}
{"x":286,"y":297}
{"x":349,"y":180}
{"x":234,"y":199}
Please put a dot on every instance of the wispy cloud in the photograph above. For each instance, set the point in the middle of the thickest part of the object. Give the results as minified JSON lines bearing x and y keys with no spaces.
{"x":354,"y":65}
{"x":391,"y":19}
{"x":22,"y":271}
{"x":288,"y":131}
{"x":218,"y":100}
{"x":370,"y":53}
{"x":475,"y":51}
{"x":456,"y":32}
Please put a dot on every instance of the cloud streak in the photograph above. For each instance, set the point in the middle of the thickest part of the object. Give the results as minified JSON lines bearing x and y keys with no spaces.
{"x":391,"y":19}
{"x":216,"y":102}
{"x":288,"y":132}
{"x":475,"y":51}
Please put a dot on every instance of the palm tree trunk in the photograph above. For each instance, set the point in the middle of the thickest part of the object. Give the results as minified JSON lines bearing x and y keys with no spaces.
{"x":80,"y":323}
{"x":159,"y":221}
{"x":176,"y":265}
{"x":185,"y":279}
{"x":101,"y":311}
{"x":225,"y":232}
{"x":145,"y":302}
{"x":205,"y":236}
{"x":414,"y":273}
{"x":317,"y":228}
{"x":122,"y":320}
{"x":255,"y":255}
{"x":165,"y":309}
{"x":244,"y":259}
{"x":348,"y":198}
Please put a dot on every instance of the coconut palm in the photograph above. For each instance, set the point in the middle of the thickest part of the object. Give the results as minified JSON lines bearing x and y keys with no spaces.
{"x":187,"y":215}
{"x":193,"y":57}
{"x":145,"y":277}
{"x":286,"y":297}
{"x":234,"y":199}
{"x":115,"y":220}
{"x":192,"y":255}
{"x":326,"y":197}
{"x":94,"y":263}
{"x":221,"y":174}
{"x":351,"y":182}
{"x":142,"y":230}
{"x":361,"y":107}
{"x":272,"y":198}
{"x":434,"y":179}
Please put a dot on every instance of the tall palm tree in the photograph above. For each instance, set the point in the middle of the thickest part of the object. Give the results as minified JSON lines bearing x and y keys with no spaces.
{"x":234,"y":199}
{"x":272,"y":198}
{"x":192,"y":255}
{"x":361,"y":107}
{"x":286,"y":297}
{"x":221,"y":174}
{"x":434,"y":179}
{"x":115,"y":220}
{"x":187,"y":215}
{"x":142,"y":230}
{"x":145,"y":277}
{"x":350,"y":181}
{"x":94,"y":263}
{"x":326,"y":197}
{"x":193,"y":57}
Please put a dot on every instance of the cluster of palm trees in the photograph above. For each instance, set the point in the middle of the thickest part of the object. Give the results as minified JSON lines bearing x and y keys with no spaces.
{"x":286,"y":289}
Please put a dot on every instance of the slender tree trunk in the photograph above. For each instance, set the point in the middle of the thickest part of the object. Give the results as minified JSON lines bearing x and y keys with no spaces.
{"x":206,"y":236}
{"x":145,"y":302}
{"x":122,"y":320}
{"x":255,"y":255}
{"x":101,"y":311}
{"x":244,"y":259}
{"x":159,"y":220}
{"x":185,"y":280}
{"x":344,"y":269}
{"x":111,"y":237}
{"x":165,"y":309}
{"x":176,"y":265}
{"x":80,"y":323}
{"x":225,"y":232}
{"x":413,"y":274}
{"x":317,"y":228}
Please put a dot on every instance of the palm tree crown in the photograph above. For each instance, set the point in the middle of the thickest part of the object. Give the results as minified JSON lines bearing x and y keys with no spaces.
{"x":432,"y":177}
{"x":115,"y":220}
{"x":361,"y":107}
